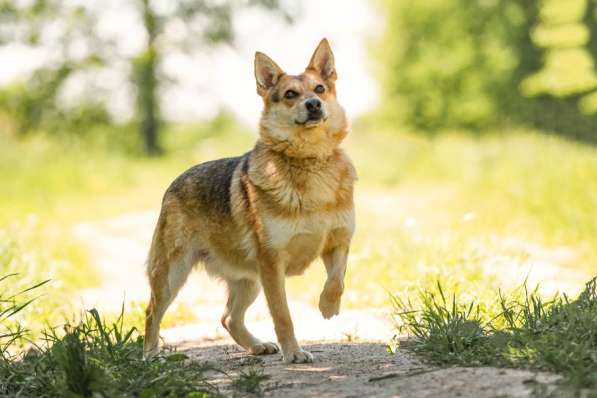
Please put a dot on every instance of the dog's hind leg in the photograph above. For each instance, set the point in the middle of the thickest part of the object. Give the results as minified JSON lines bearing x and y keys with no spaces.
{"x":167,"y":271}
{"x":241,"y":294}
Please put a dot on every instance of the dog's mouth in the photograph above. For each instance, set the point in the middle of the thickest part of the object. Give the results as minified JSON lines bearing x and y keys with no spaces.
{"x":311,"y":122}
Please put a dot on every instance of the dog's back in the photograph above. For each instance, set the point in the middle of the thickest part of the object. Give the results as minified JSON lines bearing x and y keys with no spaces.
{"x":205,"y":187}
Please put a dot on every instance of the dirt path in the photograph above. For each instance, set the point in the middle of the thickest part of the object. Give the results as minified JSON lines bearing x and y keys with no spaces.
{"x":366,"y":369}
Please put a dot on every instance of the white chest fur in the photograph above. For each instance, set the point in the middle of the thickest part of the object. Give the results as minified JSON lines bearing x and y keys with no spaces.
{"x":299,"y":241}
{"x":281,"y":230}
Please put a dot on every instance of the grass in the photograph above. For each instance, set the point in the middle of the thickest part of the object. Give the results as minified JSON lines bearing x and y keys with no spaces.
{"x":94,"y":357}
{"x":39,"y":253}
{"x":517,"y":330}
{"x":539,"y":184}
{"x":64,"y":179}
{"x":249,"y":381}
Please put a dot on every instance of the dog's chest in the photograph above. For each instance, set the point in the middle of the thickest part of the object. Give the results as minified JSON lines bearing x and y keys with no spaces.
{"x":301,"y":239}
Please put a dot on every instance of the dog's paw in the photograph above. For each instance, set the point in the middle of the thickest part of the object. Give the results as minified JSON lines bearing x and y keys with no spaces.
{"x":264,"y":349}
{"x":329,"y":305}
{"x":298,"y":356}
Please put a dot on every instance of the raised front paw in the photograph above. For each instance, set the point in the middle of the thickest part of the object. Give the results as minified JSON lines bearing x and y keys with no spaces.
{"x":298,"y":356}
{"x":329,"y":304}
{"x":264,"y":349}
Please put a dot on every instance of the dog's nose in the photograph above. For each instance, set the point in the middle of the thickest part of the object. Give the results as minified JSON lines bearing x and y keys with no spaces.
{"x":313,"y":105}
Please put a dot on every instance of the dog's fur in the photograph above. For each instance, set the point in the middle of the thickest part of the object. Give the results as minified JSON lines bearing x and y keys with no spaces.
{"x":252,"y":220}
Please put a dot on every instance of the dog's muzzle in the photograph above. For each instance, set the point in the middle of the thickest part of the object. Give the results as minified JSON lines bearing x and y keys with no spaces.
{"x":315,"y":113}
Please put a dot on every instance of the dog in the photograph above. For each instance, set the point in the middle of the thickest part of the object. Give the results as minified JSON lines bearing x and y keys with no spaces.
{"x":252,"y":220}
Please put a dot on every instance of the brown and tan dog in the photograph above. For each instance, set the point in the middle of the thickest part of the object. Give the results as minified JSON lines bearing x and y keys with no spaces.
{"x":252,"y":220}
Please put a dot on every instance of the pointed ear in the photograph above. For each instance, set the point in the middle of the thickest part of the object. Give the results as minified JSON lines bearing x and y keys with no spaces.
{"x":322,"y":61}
{"x":267,"y":72}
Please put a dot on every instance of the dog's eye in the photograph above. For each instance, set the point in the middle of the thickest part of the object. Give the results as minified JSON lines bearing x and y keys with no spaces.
{"x":319,"y":89}
{"x":290,"y":94}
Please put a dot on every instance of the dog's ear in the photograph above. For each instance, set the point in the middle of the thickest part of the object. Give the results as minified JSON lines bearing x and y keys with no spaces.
{"x":322,"y":61}
{"x":267,"y":73}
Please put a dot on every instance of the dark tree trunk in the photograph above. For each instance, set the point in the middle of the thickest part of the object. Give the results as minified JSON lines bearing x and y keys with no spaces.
{"x":147,"y":85}
{"x":148,"y":106}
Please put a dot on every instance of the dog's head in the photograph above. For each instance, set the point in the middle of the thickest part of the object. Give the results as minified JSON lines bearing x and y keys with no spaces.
{"x":301,"y":114}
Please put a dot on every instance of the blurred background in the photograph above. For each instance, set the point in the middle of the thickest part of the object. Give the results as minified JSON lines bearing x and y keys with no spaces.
{"x":474,"y":126}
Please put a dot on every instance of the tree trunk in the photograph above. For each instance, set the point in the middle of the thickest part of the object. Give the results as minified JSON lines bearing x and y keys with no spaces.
{"x":147,"y":84}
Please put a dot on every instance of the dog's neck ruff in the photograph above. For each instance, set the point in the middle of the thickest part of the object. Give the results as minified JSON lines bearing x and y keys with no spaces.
{"x":302,"y":147}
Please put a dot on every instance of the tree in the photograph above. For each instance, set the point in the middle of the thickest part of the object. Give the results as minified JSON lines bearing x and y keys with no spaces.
{"x":483,"y":64}
{"x":35,"y":102}
{"x":562,"y":32}
{"x":206,"y":23}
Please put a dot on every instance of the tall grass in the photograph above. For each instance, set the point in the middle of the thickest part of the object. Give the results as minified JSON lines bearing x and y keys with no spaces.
{"x":12,"y":331}
{"x":521,"y":330}
{"x":92,"y":357}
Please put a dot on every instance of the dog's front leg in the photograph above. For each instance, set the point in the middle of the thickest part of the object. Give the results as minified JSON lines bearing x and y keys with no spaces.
{"x":335,"y":263}
{"x":272,"y":280}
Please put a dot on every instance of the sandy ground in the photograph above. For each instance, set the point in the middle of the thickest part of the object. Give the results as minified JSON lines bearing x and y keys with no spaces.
{"x":351,"y":358}
{"x":366,"y":369}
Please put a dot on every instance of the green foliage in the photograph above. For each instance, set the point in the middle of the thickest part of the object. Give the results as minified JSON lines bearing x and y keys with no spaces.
{"x":34,"y":103}
{"x":453,"y":62}
{"x":569,"y":65}
{"x":569,"y":35}
{"x":502,"y":175}
{"x":523,"y":330}
{"x":471,"y":64}
{"x":557,"y":12}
